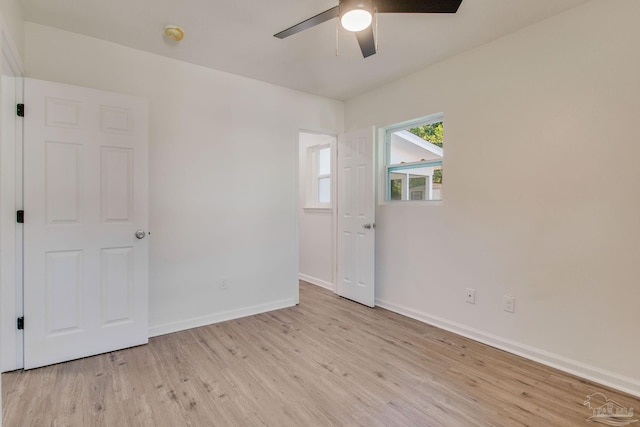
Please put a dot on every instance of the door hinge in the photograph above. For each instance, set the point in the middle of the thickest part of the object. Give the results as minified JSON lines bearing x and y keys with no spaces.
{"x":20,"y":323}
{"x":20,"y":217}
{"x":20,"y":110}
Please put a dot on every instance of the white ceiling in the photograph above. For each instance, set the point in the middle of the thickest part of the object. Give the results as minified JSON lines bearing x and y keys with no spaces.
{"x":236,"y":36}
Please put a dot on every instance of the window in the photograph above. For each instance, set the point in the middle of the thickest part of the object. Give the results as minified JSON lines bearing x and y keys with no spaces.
{"x":323,"y":177}
{"x":413,"y":160}
{"x":320,"y":176}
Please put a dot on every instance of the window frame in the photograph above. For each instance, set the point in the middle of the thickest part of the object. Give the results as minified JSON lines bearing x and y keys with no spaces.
{"x":384,"y":138}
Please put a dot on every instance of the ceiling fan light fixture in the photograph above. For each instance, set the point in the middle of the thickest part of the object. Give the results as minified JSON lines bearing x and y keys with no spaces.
{"x":357,"y":16}
{"x":356,"y":20}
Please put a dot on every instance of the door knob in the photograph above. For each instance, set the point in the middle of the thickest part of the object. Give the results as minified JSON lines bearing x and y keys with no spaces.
{"x":369,"y":226}
{"x":140,"y":234}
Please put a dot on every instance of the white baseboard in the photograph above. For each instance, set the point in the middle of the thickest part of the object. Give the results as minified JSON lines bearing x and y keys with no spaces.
{"x":167,"y":328}
{"x":317,"y":282}
{"x":592,"y":373}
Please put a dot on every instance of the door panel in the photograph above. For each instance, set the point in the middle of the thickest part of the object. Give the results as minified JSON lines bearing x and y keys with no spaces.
{"x":116,"y":171}
{"x":63,"y":172}
{"x":117,"y":285}
{"x":85,"y":195}
{"x":356,"y":210}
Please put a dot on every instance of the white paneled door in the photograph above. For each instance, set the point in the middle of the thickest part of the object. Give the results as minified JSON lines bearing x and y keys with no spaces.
{"x":85,"y":199}
{"x":356,"y":217}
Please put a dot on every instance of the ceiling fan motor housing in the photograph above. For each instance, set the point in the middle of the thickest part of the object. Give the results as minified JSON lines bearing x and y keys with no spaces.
{"x":347,"y":5}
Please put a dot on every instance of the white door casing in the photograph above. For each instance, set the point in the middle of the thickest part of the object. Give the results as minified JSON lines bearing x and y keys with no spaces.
{"x":11,"y":293}
{"x":356,"y":217}
{"x":85,"y":195}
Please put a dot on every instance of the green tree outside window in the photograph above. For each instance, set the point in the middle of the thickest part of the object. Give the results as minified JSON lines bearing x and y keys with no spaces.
{"x":431,"y":133}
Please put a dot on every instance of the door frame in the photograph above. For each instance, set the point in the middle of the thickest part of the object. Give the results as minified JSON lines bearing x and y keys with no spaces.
{"x":11,"y":257}
{"x":376,"y":131}
{"x":334,"y":187}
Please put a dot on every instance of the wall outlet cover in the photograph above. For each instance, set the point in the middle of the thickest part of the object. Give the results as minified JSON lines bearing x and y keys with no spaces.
{"x":509,"y":302}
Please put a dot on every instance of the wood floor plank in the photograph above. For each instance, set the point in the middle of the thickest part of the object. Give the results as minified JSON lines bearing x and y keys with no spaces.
{"x":325,"y":362}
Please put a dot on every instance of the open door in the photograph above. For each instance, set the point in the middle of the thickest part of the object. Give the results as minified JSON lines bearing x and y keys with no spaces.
{"x":356,"y":217}
{"x":85,"y":219}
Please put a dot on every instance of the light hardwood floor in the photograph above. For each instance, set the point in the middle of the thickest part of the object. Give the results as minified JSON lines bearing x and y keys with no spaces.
{"x":326,"y":362}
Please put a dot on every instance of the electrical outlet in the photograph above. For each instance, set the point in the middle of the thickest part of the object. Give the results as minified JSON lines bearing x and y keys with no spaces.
{"x":224,"y":284}
{"x":509,"y":303}
{"x":471,"y":296}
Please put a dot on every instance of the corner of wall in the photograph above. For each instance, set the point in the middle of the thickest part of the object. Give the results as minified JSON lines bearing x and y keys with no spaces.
{"x":12,"y":24}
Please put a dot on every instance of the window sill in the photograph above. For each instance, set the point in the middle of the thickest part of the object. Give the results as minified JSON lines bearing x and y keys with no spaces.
{"x":411,"y":203}
{"x":318,"y":210}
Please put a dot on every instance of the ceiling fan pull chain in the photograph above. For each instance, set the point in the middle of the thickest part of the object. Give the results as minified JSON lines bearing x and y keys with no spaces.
{"x":375,"y":16}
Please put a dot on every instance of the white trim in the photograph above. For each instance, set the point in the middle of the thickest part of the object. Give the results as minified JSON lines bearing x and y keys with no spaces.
{"x":11,"y":235}
{"x":318,"y":210}
{"x":318,"y":282}
{"x":381,"y":170}
{"x":182,"y":325}
{"x":296,"y":204}
{"x":334,"y":211}
{"x":411,"y":203}
{"x":19,"y":229}
{"x":574,"y":367}
{"x":9,"y":256}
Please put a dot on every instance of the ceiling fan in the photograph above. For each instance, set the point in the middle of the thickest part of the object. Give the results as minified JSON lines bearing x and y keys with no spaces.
{"x":357,"y":15}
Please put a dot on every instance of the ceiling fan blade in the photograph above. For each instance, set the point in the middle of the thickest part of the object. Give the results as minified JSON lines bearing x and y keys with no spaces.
{"x":417,"y":6}
{"x":311,"y":22}
{"x":366,"y":41}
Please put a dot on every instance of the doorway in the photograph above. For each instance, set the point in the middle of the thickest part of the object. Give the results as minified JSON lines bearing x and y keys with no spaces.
{"x":316,"y":208}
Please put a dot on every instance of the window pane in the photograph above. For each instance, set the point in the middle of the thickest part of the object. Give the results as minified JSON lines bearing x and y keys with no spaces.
{"x":396,"y":181}
{"x":437,"y":184}
{"x":424,"y":182}
{"x":413,"y":159}
{"x":324,"y":190}
{"x":422,"y":144}
{"x":324,"y":161}
{"x":417,"y":187}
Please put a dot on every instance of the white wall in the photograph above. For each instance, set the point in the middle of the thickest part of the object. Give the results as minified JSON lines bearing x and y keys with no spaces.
{"x":13,"y":24}
{"x":315,"y":225}
{"x":540,"y":193}
{"x":222,"y":179}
